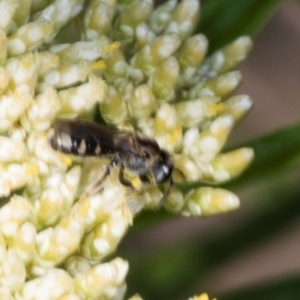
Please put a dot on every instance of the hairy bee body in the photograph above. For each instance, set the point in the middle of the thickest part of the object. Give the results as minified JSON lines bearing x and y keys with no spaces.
{"x":129,"y":150}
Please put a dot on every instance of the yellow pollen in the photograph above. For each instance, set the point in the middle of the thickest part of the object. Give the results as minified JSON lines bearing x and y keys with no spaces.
{"x":136,"y":183}
{"x":175,"y":135}
{"x":111,"y":47}
{"x":98,"y":65}
{"x":66,"y":160}
{"x":218,"y":108}
{"x":32,"y":169}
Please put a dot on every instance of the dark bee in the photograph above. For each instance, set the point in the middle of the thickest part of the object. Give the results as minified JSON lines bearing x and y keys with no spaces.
{"x":129,"y":150}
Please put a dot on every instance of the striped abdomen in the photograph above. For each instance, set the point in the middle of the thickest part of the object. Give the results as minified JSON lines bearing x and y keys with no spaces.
{"x":68,"y":138}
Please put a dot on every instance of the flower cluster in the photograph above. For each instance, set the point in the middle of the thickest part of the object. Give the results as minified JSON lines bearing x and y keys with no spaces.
{"x":141,"y":69}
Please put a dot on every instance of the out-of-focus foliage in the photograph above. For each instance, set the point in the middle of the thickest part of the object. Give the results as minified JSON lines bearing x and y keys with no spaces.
{"x":223,"y":20}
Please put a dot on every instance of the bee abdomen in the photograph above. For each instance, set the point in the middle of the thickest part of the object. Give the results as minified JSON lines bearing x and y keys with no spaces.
{"x":63,"y":142}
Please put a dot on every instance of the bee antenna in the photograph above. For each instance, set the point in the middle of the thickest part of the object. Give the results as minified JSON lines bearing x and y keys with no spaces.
{"x":180,"y":172}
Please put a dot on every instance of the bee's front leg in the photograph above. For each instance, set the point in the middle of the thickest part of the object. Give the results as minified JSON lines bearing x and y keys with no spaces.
{"x":123,"y":180}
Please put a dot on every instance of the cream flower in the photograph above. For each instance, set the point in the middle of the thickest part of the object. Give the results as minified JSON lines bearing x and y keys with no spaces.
{"x":141,"y":69}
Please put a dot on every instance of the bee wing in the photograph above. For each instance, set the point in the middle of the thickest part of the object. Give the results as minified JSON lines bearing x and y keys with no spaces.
{"x":108,"y":139}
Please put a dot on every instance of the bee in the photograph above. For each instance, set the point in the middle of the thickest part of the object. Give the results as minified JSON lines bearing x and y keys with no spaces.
{"x":129,"y":150}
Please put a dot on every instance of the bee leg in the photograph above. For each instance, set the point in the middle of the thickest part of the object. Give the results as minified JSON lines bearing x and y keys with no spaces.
{"x":149,"y":181}
{"x":166,"y":194}
{"x":123,"y":180}
{"x":144,"y":179}
{"x":96,"y":186}
{"x":180,"y":172}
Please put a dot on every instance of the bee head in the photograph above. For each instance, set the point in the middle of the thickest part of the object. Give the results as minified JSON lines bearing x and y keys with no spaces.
{"x":163,"y":169}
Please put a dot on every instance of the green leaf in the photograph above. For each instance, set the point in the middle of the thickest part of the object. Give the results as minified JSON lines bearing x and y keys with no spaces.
{"x":160,"y":274}
{"x":222,"y":21}
{"x":275,"y":152}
